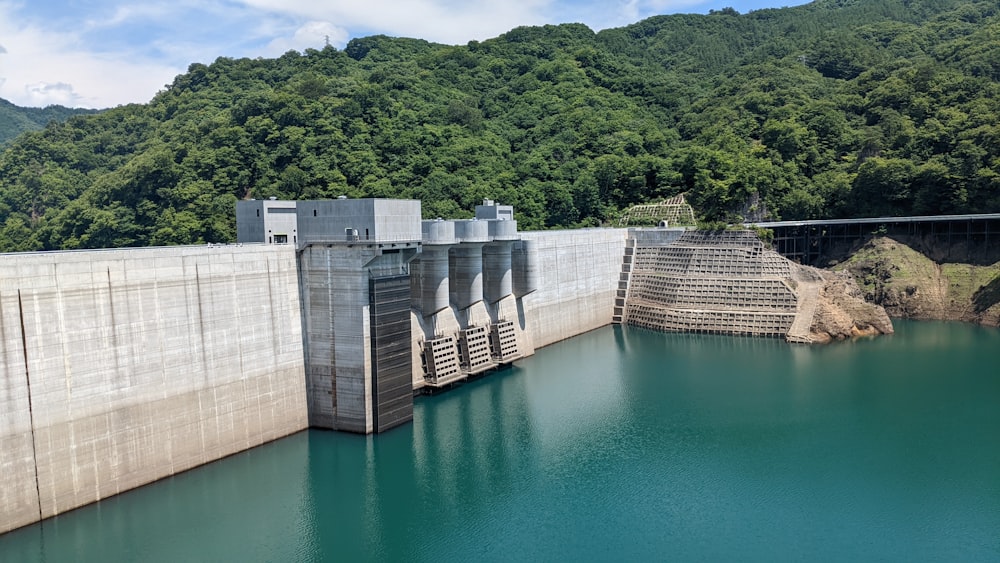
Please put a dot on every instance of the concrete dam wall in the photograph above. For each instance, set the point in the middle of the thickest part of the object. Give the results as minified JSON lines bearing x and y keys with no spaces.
{"x":121,"y":367}
{"x":578,"y":280}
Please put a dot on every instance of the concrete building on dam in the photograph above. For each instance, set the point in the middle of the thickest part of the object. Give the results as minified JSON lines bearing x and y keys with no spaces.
{"x":392,"y":304}
{"x":125,"y":366}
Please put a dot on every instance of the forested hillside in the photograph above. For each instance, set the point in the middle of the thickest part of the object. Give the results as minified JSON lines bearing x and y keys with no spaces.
{"x":15,"y":120}
{"x":833,"y":109}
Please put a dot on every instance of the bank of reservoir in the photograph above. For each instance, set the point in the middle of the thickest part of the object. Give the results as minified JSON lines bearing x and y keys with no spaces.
{"x":620,"y":444}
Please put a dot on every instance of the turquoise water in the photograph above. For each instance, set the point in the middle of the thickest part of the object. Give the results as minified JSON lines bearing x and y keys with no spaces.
{"x":621,"y":444}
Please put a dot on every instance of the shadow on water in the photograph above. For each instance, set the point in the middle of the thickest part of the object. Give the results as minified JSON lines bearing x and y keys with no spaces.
{"x":246,"y":504}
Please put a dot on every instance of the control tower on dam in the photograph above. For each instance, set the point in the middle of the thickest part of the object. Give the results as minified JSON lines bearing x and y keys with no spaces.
{"x":392,"y":304}
{"x":354,"y":279}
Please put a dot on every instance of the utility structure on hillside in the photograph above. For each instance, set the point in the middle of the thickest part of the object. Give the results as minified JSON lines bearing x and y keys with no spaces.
{"x":672,"y":211}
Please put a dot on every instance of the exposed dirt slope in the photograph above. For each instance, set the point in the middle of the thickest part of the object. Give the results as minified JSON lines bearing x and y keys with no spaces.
{"x":911,"y":285}
{"x":836,"y":306}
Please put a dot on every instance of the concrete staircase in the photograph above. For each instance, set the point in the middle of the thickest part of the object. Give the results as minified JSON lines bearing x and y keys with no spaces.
{"x":618,"y":316}
{"x":808,"y":294}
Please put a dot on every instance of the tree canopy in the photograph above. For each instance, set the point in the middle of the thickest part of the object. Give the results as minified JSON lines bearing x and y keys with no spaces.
{"x":15,"y":120}
{"x":837,"y":108}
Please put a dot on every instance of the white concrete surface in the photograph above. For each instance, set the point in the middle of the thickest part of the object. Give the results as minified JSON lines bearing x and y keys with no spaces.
{"x":139,"y":364}
{"x":577,"y":278}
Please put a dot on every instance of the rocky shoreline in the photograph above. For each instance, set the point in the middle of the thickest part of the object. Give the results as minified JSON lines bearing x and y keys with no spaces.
{"x":902,"y":277}
{"x":834,"y":307}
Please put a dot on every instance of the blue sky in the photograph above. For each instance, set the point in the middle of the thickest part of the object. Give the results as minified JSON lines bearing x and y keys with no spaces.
{"x":103,"y":53}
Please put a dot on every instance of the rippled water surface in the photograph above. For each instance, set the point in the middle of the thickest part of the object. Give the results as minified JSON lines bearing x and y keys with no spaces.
{"x":621,"y":444}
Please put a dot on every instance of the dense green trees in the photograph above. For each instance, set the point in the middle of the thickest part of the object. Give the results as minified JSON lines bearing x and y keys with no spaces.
{"x":835,"y":108}
{"x":15,"y":120}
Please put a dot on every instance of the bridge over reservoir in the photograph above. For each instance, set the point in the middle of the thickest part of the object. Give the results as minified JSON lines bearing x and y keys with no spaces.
{"x":808,"y":242}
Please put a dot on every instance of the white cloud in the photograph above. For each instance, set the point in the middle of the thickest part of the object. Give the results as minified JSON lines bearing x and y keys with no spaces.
{"x":314,"y":35}
{"x":457,"y":22}
{"x":45,"y":94}
{"x":444,"y":21}
{"x":127,"y":13}
{"x":668,"y":5}
{"x":41,"y":67}
{"x":632,"y":11}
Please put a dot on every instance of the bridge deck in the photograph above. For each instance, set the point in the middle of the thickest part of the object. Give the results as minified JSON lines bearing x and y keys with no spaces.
{"x":808,"y":242}
{"x":877,"y":220}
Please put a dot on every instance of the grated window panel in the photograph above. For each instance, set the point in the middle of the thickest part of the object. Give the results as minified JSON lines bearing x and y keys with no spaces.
{"x":474,"y":349}
{"x":504,"y":341}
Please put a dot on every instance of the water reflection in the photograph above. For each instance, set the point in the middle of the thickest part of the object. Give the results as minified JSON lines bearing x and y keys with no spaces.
{"x":252,"y":499}
{"x":621,"y":444}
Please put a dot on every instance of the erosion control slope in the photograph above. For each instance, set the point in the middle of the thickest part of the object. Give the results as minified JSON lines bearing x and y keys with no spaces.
{"x":729,"y":283}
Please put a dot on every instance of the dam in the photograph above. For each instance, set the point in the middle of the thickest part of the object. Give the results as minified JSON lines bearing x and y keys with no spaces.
{"x":122,"y":367}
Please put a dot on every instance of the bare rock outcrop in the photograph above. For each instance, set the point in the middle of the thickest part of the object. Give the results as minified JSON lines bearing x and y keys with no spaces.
{"x":910,"y":283}
{"x":832,"y":307}
{"x":842,"y":311}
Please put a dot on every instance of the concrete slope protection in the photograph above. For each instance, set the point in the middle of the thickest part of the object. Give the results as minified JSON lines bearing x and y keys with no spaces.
{"x":121,"y":367}
{"x":723,"y":283}
{"x":729,"y":283}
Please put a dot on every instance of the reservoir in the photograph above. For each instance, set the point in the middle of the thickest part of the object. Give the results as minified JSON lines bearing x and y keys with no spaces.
{"x":620,"y":444}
